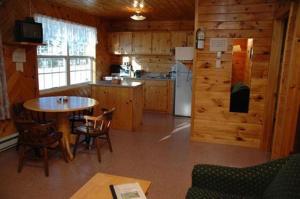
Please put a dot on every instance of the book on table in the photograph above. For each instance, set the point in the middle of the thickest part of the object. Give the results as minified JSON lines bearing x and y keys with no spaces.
{"x":129,"y":191}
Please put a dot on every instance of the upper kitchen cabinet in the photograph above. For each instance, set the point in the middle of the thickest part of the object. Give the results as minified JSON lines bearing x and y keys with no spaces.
{"x":161,"y":43}
{"x":125,"y":40}
{"x":178,"y":39}
{"x":120,"y":43}
{"x":114,"y":43}
{"x":141,"y":43}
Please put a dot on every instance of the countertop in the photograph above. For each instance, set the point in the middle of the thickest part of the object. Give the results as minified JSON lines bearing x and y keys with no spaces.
{"x":125,"y":84}
{"x":148,"y":78}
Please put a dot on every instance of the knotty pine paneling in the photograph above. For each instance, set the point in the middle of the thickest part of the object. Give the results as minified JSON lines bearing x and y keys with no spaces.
{"x":23,"y":85}
{"x":123,"y":26}
{"x":211,"y":119}
{"x":122,"y":9}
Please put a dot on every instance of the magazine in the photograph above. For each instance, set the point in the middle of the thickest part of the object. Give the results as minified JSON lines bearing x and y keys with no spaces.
{"x":129,"y":191}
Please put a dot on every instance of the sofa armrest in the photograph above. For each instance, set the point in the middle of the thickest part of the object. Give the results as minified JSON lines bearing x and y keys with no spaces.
{"x":244,"y":181}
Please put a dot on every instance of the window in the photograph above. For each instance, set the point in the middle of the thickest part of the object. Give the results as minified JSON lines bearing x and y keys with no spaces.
{"x":69,"y":54}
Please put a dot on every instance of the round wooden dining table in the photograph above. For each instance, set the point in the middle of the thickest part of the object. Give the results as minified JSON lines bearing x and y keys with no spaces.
{"x":62,"y":108}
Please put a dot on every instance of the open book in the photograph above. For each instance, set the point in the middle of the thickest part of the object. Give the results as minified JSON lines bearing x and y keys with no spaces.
{"x":129,"y":191}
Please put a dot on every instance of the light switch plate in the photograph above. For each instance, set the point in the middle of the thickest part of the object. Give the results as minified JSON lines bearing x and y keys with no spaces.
{"x":19,"y":67}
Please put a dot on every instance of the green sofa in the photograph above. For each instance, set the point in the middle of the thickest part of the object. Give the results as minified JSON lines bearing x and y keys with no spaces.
{"x":279,"y":179}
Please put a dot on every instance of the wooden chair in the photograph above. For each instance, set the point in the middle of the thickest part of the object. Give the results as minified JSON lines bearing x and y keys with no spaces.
{"x":21,"y":114}
{"x":77,"y":118}
{"x":33,"y":135}
{"x":96,"y":128}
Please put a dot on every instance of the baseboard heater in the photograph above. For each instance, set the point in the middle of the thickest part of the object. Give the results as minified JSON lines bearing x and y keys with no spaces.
{"x":8,"y":142}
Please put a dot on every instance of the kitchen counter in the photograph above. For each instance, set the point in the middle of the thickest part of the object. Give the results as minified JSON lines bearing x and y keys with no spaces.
{"x":126,"y":97}
{"x":148,"y":78}
{"x":124,"y":83}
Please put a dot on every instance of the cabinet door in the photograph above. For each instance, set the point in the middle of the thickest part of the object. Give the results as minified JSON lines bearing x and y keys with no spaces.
{"x":178,"y":39}
{"x":156,"y":96}
{"x":141,"y":42}
{"x":114,"y":43}
{"x":190,"y":39}
{"x":161,"y":43}
{"x":121,"y":99}
{"x":125,"y":42}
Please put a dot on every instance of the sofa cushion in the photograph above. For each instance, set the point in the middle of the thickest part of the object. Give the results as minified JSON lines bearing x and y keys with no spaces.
{"x":197,"y":193}
{"x":287,"y":182}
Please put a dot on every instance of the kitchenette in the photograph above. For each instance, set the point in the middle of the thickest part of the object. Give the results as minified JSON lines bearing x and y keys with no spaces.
{"x":150,"y":71}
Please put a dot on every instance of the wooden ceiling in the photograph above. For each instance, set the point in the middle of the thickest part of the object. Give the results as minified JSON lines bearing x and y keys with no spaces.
{"x":122,"y":9}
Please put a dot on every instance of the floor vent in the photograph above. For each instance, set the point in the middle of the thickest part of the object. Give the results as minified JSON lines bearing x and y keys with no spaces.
{"x":8,"y":142}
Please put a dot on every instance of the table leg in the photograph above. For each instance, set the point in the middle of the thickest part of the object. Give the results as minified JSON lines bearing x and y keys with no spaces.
{"x":64,"y":127}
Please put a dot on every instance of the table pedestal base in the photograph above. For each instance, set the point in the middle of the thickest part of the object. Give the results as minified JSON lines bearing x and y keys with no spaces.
{"x":63,"y":125}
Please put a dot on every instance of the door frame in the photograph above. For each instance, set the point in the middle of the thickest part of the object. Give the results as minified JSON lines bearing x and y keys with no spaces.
{"x":274,"y":77}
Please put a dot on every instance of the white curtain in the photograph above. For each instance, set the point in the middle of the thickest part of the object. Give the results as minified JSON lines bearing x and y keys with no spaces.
{"x":4,"y":102}
{"x":66,"y":38}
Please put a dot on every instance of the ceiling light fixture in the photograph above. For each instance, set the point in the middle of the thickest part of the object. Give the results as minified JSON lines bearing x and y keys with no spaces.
{"x":138,"y":17}
{"x":138,"y":5}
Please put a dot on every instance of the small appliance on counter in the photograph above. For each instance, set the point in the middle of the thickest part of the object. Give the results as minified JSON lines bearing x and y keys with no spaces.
{"x":120,"y":70}
{"x":138,"y":73}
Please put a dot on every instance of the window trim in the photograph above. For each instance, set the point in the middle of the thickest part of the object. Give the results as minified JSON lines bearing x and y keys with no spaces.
{"x":63,"y":88}
{"x":67,"y":57}
{"x":68,"y":72}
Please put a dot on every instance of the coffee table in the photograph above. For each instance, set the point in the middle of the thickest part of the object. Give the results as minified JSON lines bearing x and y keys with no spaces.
{"x":98,"y":186}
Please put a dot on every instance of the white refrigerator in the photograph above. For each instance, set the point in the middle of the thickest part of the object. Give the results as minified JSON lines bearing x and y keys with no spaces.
{"x":183,"y":90}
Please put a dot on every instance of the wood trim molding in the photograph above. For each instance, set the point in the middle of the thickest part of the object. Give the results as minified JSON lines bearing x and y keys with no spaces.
{"x":289,"y":95}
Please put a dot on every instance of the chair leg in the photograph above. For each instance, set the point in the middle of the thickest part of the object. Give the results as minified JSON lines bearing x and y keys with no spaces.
{"x":88,"y":142}
{"x":98,"y":148}
{"x":62,"y":148}
{"x":21,"y":158}
{"x":18,"y":145}
{"x":72,"y":126}
{"x":76,"y":145}
{"x":46,"y":161}
{"x":109,"y":142}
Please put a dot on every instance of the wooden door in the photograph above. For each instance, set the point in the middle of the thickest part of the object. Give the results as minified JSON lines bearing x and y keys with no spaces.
{"x":114,"y":43}
{"x":125,"y":39}
{"x":178,"y":39}
{"x":161,"y":43}
{"x":141,"y":42}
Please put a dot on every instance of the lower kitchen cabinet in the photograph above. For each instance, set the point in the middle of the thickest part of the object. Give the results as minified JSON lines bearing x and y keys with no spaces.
{"x":128,"y":102}
{"x":158,"y":95}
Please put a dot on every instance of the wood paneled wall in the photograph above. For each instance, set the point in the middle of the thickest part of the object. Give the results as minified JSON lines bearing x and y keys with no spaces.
{"x":150,"y":63}
{"x":289,"y":93}
{"x":211,"y":119}
{"x":123,"y":26}
{"x":23,"y":85}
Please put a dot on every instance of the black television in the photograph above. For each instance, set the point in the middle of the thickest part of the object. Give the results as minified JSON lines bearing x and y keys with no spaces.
{"x":28,"y":31}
